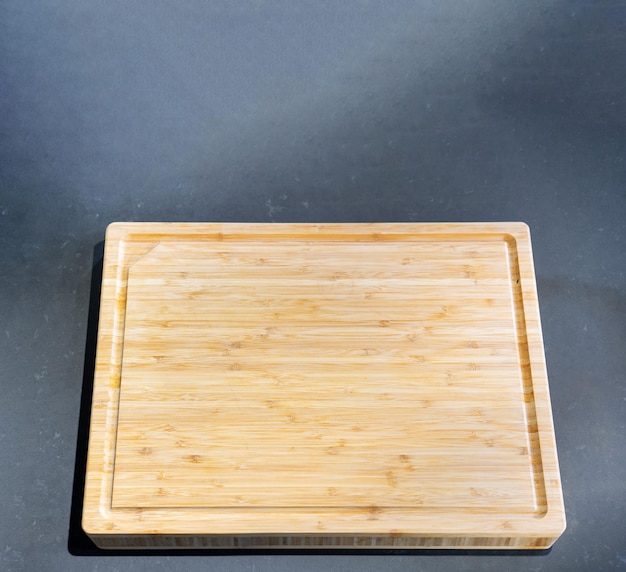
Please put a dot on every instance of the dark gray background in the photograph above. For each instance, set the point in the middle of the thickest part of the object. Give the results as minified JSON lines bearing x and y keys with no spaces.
{"x":260,"y":110}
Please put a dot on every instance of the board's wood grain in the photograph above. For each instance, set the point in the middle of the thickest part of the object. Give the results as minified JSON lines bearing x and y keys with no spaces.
{"x":340,"y":385}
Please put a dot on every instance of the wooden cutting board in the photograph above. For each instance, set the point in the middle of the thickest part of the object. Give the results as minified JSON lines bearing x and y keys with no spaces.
{"x":321,"y":385}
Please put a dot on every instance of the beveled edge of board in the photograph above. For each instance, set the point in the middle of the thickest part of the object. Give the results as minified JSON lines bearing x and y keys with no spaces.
{"x":126,"y":243}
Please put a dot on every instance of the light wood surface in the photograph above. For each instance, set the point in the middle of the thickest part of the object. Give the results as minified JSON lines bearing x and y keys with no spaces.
{"x":333,"y":385}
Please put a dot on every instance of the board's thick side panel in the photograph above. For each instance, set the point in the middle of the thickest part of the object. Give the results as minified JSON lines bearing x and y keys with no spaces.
{"x":324,"y":542}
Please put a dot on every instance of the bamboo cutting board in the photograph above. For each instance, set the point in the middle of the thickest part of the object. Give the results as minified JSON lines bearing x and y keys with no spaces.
{"x":335,"y":385}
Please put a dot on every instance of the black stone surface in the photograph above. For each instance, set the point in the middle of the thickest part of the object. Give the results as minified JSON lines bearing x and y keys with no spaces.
{"x":307,"y":111}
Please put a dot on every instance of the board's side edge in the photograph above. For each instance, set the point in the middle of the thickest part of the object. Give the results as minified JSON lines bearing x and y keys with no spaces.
{"x":553,"y":514}
{"x":92,"y":517}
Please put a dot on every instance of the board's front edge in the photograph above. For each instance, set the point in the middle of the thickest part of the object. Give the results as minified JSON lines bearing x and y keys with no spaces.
{"x":312,"y":542}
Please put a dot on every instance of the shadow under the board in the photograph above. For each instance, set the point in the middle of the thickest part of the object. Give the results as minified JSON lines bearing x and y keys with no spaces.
{"x":79,"y":544}
{"x":91,"y":550}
